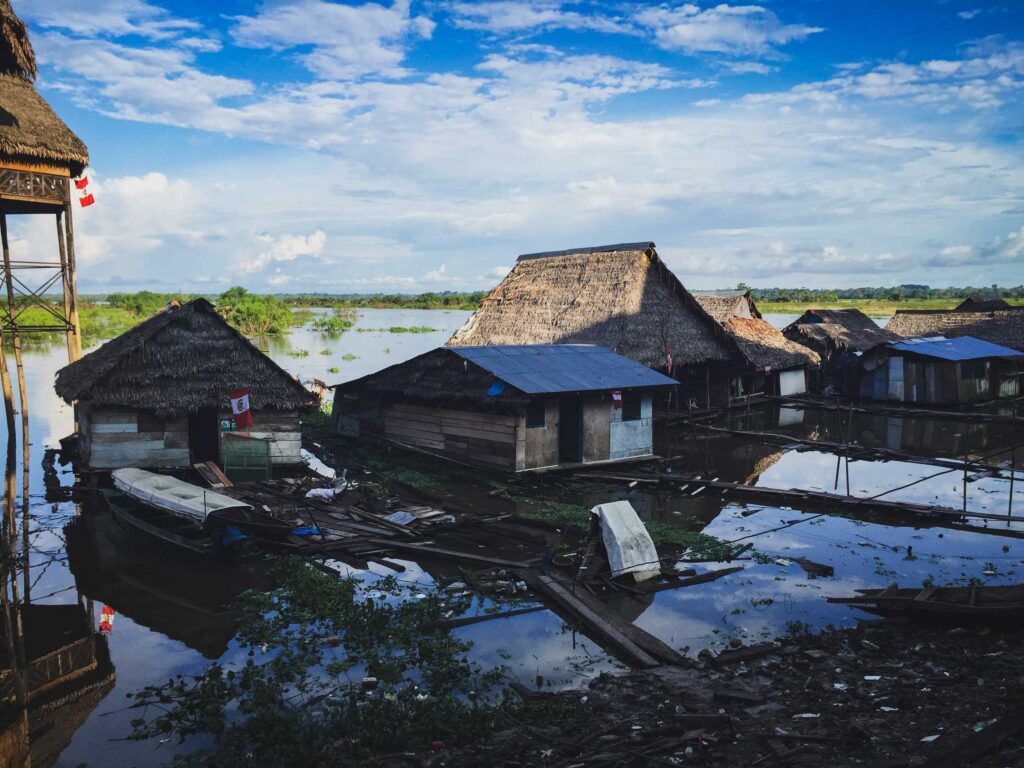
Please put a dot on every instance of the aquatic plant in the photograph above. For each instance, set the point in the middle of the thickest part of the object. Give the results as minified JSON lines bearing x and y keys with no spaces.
{"x":298,"y":353}
{"x":349,"y":357}
{"x":299,"y":698}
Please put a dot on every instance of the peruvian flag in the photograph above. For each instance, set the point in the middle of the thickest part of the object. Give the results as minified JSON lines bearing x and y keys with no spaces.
{"x":107,"y":619}
{"x":668,"y":359}
{"x":87,"y":198}
{"x":240,"y":408}
{"x":617,"y":400}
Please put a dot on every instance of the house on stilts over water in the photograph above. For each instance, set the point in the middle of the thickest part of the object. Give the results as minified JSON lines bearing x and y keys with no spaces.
{"x":509,"y":407}
{"x":159,"y":396}
{"x":622,"y":297}
{"x":768,"y":362}
{"x":839,"y":337}
{"x":941,"y":371}
{"x":996,"y":325}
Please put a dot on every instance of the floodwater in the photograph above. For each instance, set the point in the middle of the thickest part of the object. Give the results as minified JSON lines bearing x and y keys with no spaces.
{"x":171,"y":619}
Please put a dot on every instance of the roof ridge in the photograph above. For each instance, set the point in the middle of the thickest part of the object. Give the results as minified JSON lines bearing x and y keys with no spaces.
{"x":595,"y":249}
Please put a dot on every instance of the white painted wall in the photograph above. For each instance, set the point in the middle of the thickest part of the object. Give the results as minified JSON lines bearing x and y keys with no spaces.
{"x":792,"y":382}
{"x":632,"y":438}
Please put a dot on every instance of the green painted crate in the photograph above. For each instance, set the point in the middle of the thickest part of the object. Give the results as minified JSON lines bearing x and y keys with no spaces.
{"x":246,"y":459}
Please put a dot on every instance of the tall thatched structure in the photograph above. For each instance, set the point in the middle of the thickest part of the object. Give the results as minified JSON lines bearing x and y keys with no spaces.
{"x":1004,"y":327}
{"x":39,"y":155}
{"x":158,"y":394}
{"x":621,"y":297}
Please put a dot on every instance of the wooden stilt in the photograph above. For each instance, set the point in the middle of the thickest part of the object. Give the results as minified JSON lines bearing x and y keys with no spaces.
{"x":1013,"y":474}
{"x":73,"y":345}
{"x":71,"y":281}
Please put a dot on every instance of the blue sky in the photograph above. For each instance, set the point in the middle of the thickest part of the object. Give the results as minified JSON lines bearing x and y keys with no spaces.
{"x":407,"y":146}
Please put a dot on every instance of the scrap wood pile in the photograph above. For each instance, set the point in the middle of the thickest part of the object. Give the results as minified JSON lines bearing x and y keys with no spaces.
{"x":878,"y":695}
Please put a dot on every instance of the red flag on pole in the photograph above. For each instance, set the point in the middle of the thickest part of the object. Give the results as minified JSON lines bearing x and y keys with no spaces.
{"x":86,"y":200}
{"x":82,"y":183}
{"x":240,"y":408}
{"x":107,"y":619}
{"x":617,"y":400}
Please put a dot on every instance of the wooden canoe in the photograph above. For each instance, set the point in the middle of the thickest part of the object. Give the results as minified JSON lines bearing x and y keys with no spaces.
{"x":188,"y":536}
{"x":949,"y":605}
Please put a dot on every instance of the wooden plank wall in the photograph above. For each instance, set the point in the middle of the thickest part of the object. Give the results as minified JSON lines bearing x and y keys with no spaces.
{"x":282,"y":428}
{"x":472,"y":436}
{"x":115,"y":440}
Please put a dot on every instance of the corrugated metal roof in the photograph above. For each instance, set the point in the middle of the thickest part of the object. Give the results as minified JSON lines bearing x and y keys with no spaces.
{"x":960,"y":348}
{"x":538,"y":369}
{"x":642,"y":246}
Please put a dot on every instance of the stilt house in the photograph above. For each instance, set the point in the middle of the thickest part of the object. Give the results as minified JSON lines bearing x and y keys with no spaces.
{"x":839,"y":337}
{"x":769,"y":363}
{"x":157,"y":396}
{"x":941,"y":371}
{"x":621,"y":297}
{"x":510,"y":408}
{"x":998,"y":326}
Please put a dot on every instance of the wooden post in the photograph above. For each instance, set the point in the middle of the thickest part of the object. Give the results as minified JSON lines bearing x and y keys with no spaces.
{"x":965,"y":483}
{"x":1013,"y":473}
{"x":5,"y":383}
{"x":12,"y":313}
{"x":71,"y":280}
{"x":74,"y":346}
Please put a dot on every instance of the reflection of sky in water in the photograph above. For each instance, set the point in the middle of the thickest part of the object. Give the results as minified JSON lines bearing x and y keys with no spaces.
{"x":761,"y":601}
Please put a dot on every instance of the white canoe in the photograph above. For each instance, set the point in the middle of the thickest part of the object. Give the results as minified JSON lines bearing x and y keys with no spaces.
{"x":173,"y":495}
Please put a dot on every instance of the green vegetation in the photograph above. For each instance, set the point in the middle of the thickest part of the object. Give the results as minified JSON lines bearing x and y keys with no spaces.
{"x":878,"y":302}
{"x":298,"y":353}
{"x":400,"y":329}
{"x":336,"y":324}
{"x":320,"y":418}
{"x":256,"y":314}
{"x":443,"y":300}
{"x":298,"y":698}
{"x":333,"y":369}
{"x":349,"y":357}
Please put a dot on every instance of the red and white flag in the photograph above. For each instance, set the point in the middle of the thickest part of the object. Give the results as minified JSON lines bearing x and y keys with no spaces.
{"x":87,"y":198}
{"x":617,"y":400}
{"x":240,"y":408}
{"x":107,"y":619}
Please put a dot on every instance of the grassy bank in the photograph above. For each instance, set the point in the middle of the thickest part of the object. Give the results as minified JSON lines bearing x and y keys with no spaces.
{"x":872,"y":307}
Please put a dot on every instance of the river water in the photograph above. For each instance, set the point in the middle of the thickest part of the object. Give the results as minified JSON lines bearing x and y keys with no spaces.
{"x":172,"y":620}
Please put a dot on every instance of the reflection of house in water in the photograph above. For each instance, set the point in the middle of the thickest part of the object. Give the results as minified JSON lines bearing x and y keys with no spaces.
{"x":185,"y":601}
{"x":60,"y":670}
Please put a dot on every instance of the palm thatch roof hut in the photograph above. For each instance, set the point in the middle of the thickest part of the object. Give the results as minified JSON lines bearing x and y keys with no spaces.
{"x":158,"y":395}
{"x":829,"y":330}
{"x":981,"y":304}
{"x":722,"y":305}
{"x":621,"y":297}
{"x":1004,"y":327}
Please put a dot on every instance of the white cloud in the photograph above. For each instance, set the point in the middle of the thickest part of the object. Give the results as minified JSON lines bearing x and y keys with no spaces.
{"x":108,"y":18}
{"x":347,"y":41}
{"x":285,"y":248}
{"x":1000,"y":250}
{"x":729,"y":29}
{"x":506,"y":16}
{"x":968,"y":15}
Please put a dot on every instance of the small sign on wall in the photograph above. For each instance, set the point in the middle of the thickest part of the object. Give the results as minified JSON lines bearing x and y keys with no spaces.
{"x":227,"y":425}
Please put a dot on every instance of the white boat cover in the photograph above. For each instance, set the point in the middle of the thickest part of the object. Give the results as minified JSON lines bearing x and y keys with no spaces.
{"x":171,"y":494}
{"x":629,"y":545}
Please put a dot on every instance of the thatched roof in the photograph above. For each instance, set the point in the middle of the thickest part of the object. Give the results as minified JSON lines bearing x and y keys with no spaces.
{"x":16,"y":54}
{"x":981,"y":304}
{"x":722,"y":305}
{"x":763,"y":345}
{"x":621,"y":297}
{"x":178,"y":361}
{"x":827,"y":330}
{"x":30,"y":131}
{"x":1005,"y":327}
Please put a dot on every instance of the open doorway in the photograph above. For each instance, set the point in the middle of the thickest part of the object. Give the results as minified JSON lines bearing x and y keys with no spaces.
{"x":204,"y":435}
{"x":570,"y":428}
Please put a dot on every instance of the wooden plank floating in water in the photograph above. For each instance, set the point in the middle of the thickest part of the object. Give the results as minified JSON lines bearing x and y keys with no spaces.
{"x":604,"y":628}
